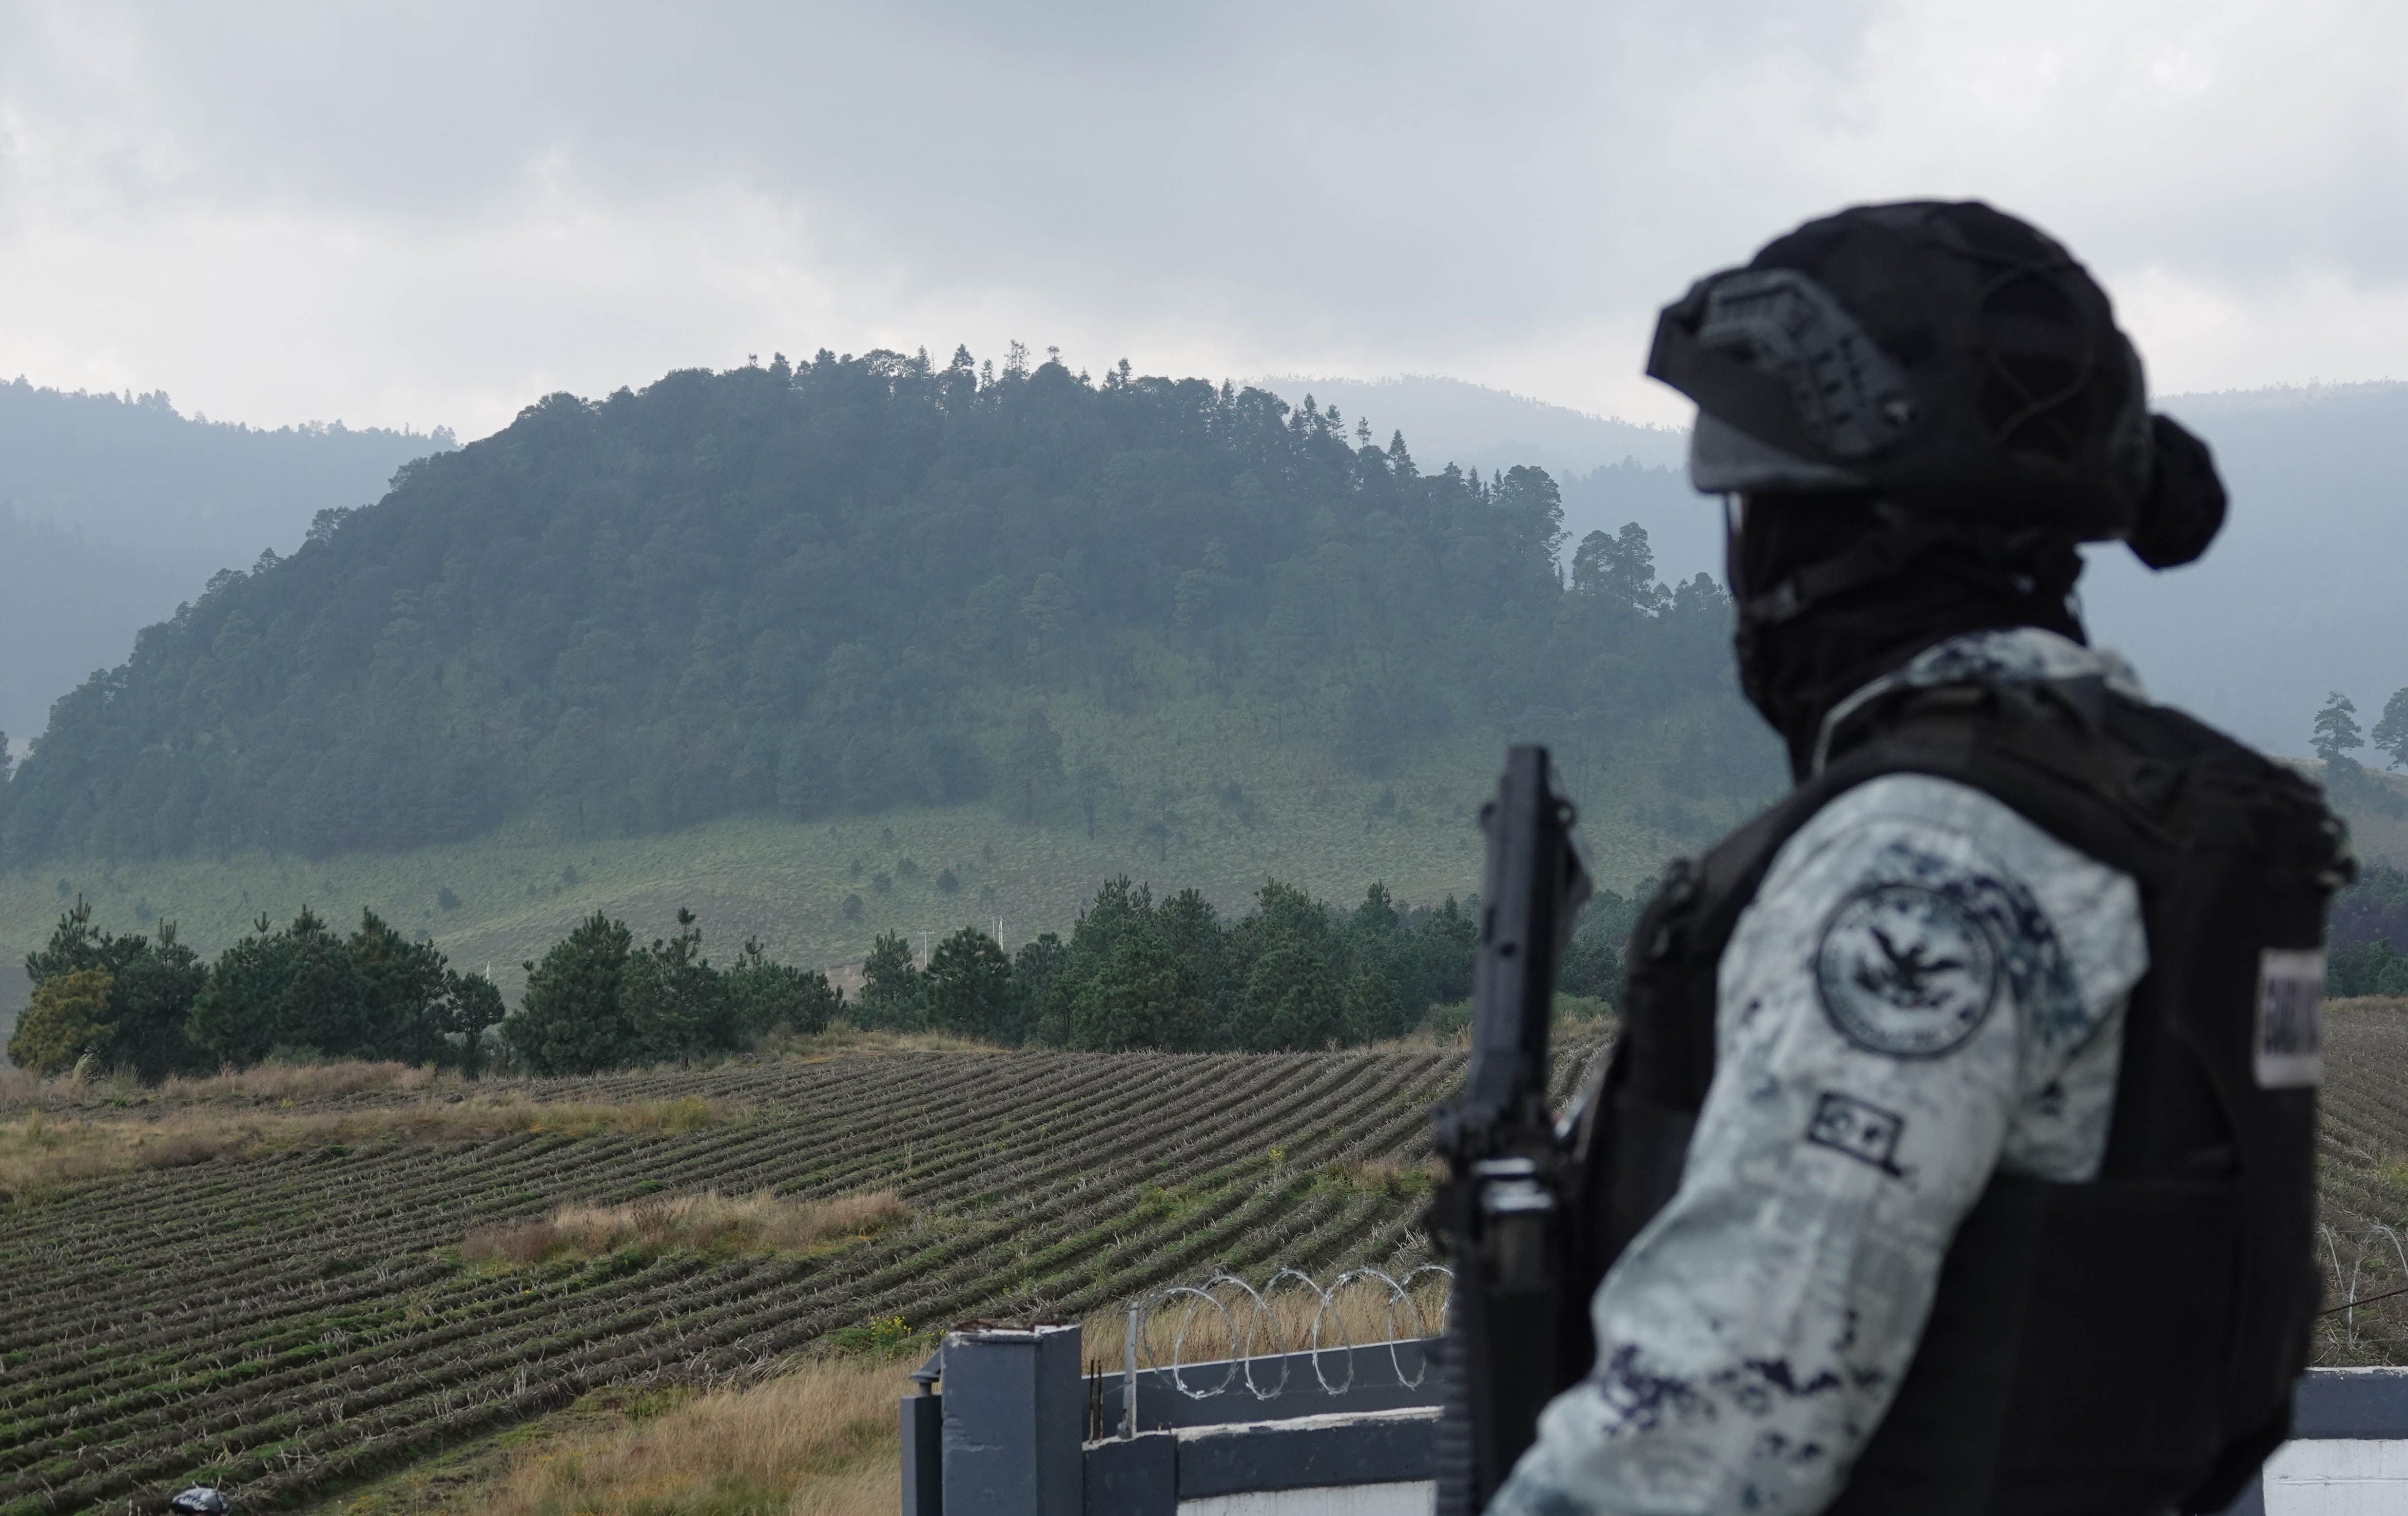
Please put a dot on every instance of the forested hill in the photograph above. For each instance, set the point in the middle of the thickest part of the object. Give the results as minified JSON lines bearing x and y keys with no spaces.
{"x":858,"y":583}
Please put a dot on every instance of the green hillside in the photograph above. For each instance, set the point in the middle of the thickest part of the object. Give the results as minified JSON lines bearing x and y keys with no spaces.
{"x":859,"y":585}
{"x":1232,"y":805}
{"x":717,"y":643}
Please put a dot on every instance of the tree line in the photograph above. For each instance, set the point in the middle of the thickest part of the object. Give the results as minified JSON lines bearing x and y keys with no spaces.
{"x":151,"y":1005}
{"x":2367,"y":931}
{"x":854,"y":584}
{"x":1292,"y":973}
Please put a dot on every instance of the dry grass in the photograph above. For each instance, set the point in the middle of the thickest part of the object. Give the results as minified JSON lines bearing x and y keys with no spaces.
{"x":705,"y":1222}
{"x":306,"y":1081}
{"x":270,"y":1082}
{"x":40,"y":1151}
{"x":843,"y":1039}
{"x":2371,"y":1004}
{"x":18,"y":1086}
{"x":1578,"y":1020}
{"x":1187,"y":1330}
{"x":819,"y":1441}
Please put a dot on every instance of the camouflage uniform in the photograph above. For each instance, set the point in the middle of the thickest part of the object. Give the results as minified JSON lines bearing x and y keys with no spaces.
{"x":1926,"y":988}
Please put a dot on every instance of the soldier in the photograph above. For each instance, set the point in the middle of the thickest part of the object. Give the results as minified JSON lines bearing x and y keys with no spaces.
{"x":1957,"y":1154}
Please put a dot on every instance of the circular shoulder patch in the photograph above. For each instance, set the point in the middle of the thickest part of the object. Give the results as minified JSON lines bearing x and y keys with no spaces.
{"x":1906,"y":971}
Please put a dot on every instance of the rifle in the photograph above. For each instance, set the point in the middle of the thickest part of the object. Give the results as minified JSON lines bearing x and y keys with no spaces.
{"x":1506,"y":1210}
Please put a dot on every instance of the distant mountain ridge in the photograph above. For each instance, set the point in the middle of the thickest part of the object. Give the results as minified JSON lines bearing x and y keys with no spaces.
{"x":1475,"y":426}
{"x":131,"y":470}
{"x":1611,"y":471}
{"x":2302,"y":594}
{"x":2299,"y":596}
{"x":114,"y":507}
{"x":104,"y":525}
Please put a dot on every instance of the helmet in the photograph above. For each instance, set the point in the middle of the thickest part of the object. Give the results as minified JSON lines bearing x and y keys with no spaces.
{"x":1947,"y":357}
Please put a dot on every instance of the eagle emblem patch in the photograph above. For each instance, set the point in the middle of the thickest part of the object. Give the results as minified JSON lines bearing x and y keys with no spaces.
{"x":1906,"y":970}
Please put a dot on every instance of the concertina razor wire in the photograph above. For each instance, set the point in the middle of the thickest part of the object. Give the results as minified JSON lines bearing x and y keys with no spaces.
{"x":2372,"y":1242}
{"x":1261,"y":1326}
{"x":1268,"y":1326}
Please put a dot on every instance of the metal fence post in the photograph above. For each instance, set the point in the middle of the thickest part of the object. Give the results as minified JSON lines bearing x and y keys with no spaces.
{"x":1014,"y":1421}
{"x":924,"y":1421}
{"x":1128,"y":1391}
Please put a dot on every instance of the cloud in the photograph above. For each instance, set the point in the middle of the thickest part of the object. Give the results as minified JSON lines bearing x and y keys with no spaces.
{"x":436,"y":212}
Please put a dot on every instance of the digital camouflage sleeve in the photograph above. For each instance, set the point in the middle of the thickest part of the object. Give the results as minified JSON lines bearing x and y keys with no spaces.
{"x":1925,"y":987}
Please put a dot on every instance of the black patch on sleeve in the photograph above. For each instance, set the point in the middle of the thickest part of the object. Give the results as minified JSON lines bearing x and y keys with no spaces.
{"x":1864,"y":1132}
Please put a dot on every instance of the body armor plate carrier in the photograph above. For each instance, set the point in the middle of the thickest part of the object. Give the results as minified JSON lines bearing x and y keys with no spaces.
{"x":2125,"y":1345}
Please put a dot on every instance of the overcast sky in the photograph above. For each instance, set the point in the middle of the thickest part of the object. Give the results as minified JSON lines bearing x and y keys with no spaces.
{"x":422,"y":213}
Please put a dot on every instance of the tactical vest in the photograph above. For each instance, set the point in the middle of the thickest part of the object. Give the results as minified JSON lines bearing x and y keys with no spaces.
{"x":2127,"y":1345}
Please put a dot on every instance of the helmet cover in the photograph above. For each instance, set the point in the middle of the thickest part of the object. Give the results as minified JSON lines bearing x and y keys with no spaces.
{"x":1946,"y":355}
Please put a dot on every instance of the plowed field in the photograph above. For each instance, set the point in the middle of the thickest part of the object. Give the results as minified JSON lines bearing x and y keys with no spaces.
{"x":293,"y":1322}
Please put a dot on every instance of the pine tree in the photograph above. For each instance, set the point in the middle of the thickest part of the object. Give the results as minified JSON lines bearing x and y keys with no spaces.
{"x":673,"y":1003}
{"x":765,"y":996}
{"x":2391,"y":731}
{"x":2337,"y":729}
{"x":969,"y":987}
{"x":570,"y":1020}
{"x":890,"y":984}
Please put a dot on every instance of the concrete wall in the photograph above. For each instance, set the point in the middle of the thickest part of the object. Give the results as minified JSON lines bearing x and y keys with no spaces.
{"x":1413,"y":1498}
{"x":2358,"y":1476}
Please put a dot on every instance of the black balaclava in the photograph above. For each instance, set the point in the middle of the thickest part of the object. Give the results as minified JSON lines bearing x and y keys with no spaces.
{"x":1794,"y":667}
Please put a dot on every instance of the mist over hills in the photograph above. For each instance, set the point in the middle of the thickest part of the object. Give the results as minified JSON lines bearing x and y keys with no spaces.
{"x":854,"y":585}
{"x":113,"y":509}
{"x":2302,"y":592}
{"x":1612,"y":472}
{"x":2298,"y":597}
{"x":1475,"y":426}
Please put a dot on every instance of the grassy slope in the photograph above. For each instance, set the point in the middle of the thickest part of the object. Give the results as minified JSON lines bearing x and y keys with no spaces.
{"x":1299,"y":816}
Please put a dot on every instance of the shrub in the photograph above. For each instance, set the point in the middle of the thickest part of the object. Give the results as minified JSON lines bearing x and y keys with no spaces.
{"x":68,"y":1019}
{"x":766,"y":997}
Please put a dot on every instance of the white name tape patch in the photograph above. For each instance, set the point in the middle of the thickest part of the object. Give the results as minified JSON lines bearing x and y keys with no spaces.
{"x":2290,"y":1018}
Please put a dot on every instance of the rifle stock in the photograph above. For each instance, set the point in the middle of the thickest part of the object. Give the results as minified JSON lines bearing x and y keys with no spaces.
{"x":1505,"y":1210}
